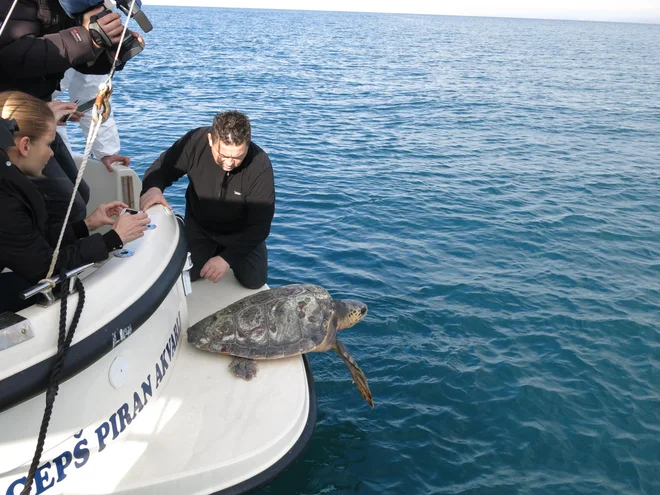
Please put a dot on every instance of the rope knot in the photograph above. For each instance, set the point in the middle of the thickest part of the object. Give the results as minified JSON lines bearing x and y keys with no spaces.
{"x":48,"y":281}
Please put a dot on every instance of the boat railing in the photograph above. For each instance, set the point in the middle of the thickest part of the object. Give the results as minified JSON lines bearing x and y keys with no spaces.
{"x":46,"y":288}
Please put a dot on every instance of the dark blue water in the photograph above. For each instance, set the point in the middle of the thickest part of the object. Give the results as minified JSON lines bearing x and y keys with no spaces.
{"x":490,"y":188}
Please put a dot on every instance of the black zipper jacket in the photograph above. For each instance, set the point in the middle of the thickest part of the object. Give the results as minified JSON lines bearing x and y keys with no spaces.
{"x":234,"y":208}
{"x":39,"y":43}
{"x":27,"y":238}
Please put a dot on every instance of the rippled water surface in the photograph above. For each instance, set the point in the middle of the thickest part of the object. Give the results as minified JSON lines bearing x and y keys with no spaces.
{"x":490,"y":188}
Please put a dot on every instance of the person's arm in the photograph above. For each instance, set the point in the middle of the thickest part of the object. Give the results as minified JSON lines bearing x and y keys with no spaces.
{"x":25,"y":251}
{"x":25,"y":54}
{"x":261,"y":208}
{"x":171,"y":165}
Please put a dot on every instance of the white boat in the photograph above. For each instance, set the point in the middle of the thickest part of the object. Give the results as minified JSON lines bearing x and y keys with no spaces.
{"x":141,"y":411}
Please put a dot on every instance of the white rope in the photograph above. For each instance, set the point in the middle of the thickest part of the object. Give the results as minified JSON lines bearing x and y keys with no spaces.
{"x":4,"y":23}
{"x":91,"y":137}
{"x":121,"y":41}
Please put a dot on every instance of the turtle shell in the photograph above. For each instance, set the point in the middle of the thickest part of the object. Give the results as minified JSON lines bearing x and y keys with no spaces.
{"x":274,"y":323}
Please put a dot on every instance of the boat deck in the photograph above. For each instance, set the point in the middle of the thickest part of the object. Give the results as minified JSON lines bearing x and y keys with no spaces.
{"x":210,"y":432}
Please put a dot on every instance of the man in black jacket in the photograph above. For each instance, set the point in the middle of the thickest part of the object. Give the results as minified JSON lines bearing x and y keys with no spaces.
{"x":230,"y":200}
{"x":39,"y":43}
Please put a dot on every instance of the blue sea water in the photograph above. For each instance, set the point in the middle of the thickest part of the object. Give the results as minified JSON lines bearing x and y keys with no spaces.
{"x":490,"y":188}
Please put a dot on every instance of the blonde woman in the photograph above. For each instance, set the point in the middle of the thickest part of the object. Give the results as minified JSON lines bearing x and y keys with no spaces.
{"x":27,"y":237}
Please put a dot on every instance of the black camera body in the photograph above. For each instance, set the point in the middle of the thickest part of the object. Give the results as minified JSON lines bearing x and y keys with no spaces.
{"x":129,"y":48}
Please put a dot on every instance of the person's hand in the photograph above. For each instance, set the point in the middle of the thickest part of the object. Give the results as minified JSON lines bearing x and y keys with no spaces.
{"x":111,"y":24}
{"x":61,"y":108}
{"x":110,"y":159}
{"x":130,"y":227}
{"x":214,"y":269}
{"x":138,"y":37}
{"x":153,"y":196}
{"x":102,"y":215}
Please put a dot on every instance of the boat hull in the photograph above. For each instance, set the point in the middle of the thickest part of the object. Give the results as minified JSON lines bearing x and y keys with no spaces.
{"x":140,"y":410}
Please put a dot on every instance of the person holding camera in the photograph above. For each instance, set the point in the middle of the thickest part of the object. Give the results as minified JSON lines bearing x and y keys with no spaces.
{"x":38,"y":44}
{"x":27,"y":233}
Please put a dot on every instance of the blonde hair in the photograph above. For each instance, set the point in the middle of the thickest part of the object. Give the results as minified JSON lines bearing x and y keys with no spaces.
{"x":31,"y":114}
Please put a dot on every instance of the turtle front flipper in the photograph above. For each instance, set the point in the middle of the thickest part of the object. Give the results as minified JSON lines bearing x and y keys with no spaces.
{"x":243,"y":368}
{"x":358,"y":376}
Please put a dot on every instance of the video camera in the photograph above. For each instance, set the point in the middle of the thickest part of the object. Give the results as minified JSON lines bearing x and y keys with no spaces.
{"x":131,"y":46}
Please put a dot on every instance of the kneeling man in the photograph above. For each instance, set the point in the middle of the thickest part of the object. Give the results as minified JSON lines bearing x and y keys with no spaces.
{"x":230,"y":200}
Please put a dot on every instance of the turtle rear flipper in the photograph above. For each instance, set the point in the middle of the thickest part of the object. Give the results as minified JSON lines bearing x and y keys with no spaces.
{"x":243,"y":368}
{"x":358,"y":376}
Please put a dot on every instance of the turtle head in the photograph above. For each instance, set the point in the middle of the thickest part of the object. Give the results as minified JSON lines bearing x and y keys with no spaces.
{"x":349,"y":313}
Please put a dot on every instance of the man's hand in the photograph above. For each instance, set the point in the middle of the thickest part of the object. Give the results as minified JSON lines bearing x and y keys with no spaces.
{"x":102,"y":215}
{"x":111,"y":24}
{"x":153,"y":196}
{"x":130,"y":227}
{"x":61,"y":108}
{"x":139,"y":38}
{"x":214,"y":269}
{"x":110,"y":159}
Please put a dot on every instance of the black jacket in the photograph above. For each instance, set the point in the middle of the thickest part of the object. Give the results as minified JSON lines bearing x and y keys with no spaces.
{"x":234,"y":208}
{"x":27,"y":240}
{"x":39,"y":43}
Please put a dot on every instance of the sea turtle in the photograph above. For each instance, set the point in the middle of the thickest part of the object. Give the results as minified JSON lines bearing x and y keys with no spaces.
{"x":281,"y":322}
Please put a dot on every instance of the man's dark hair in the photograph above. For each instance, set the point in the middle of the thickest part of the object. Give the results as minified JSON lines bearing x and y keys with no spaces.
{"x":232,"y":127}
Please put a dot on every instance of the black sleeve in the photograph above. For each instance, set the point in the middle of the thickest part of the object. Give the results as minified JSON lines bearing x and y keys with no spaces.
{"x":102,"y":65}
{"x":171,"y":165}
{"x":110,"y":238}
{"x":261,"y":208}
{"x":80,"y":229}
{"x":25,"y":251}
{"x":24,"y":54}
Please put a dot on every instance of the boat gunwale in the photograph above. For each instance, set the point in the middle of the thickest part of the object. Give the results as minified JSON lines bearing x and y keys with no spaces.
{"x":33,"y":381}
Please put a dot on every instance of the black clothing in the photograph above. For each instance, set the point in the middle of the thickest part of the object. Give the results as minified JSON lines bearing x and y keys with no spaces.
{"x":7,"y":130}
{"x":27,"y":237}
{"x":234,"y":209}
{"x":11,"y":285}
{"x":39,"y":43}
{"x":56,"y":185}
{"x":251,"y":270}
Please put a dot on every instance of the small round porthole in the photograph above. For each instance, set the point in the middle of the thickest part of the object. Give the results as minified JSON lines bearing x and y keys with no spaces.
{"x":124,"y":253}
